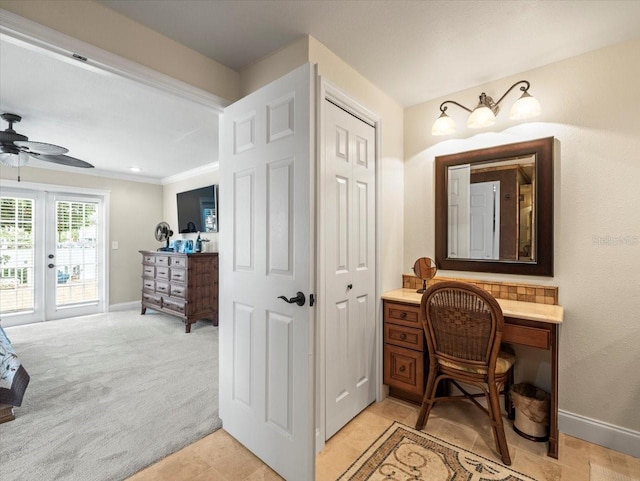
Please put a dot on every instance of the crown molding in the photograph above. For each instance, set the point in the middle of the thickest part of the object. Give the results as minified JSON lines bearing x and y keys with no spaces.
{"x":188,"y":174}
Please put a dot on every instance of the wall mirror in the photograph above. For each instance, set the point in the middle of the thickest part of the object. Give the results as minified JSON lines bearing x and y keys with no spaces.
{"x":494,"y":209}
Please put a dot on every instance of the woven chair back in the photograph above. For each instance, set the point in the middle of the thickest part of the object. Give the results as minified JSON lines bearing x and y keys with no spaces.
{"x":462,"y":323}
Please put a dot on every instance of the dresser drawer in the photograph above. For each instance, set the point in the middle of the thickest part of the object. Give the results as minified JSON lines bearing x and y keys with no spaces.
{"x":174,"y":305}
{"x":162,"y":273}
{"x":177,"y":291}
{"x":179,"y":275}
{"x":527,"y":336}
{"x":148,"y":271}
{"x":404,"y":369}
{"x":162,"y":287}
{"x":148,"y":259}
{"x":403,"y":314}
{"x":179,"y":261}
{"x":150,"y":299}
{"x":148,"y":285}
{"x":402,"y":336}
{"x":162,"y":260}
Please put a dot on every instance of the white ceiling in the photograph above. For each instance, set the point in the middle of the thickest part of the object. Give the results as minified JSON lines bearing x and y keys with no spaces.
{"x":413,"y":50}
{"x":108,"y":121}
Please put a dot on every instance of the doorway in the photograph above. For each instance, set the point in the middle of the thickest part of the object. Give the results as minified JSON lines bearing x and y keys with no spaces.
{"x":52,"y":255}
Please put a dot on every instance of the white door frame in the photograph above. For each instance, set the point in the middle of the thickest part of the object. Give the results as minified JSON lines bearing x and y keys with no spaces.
{"x":328,"y":91}
{"x":41,"y":189}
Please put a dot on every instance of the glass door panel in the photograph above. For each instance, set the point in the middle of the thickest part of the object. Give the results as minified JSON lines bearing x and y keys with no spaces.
{"x":76,"y":253}
{"x":17,"y":255}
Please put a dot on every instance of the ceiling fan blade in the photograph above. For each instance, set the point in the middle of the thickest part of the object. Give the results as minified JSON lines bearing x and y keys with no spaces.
{"x":41,"y":147}
{"x":65,"y":160}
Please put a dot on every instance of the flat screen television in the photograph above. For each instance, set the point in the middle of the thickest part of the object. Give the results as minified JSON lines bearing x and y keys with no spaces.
{"x":198,"y":210}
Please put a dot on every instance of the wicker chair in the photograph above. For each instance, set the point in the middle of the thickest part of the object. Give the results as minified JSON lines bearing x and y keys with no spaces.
{"x":463,"y":325}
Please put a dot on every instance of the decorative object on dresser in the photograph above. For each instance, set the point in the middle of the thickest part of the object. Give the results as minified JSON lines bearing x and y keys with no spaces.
{"x":183,"y":285}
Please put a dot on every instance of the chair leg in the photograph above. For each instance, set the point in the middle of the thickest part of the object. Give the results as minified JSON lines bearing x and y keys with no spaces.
{"x":497,"y":424}
{"x":427,"y":400}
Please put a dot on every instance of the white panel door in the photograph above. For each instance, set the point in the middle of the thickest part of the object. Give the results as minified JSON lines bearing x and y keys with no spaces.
{"x":459,"y":178}
{"x":350,"y":266}
{"x":484,"y":220}
{"x":267,"y":251}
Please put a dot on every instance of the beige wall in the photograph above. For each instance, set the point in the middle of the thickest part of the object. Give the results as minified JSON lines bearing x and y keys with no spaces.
{"x":590,"y":104}
{"x":135,"y":209}
{"x":334,"y":69}
{"x":170,"y":205}
{"x":102,"y":27}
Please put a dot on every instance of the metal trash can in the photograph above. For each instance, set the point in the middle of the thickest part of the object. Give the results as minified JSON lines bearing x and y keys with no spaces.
{"x":532,"y":411}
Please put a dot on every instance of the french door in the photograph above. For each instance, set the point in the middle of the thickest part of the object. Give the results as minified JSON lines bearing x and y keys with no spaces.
{"x":52,"y":255}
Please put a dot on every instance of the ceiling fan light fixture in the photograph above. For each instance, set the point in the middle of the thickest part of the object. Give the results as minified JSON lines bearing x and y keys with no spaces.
{"x":19,"y":159}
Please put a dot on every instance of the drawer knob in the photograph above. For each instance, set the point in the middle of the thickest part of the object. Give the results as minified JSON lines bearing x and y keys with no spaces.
{"x":403,"y":336}
{"x":402,"y":369}
{"x":403,"y":315}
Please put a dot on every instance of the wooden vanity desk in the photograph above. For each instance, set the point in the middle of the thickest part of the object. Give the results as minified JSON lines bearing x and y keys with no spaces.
{"x":405,"y":348}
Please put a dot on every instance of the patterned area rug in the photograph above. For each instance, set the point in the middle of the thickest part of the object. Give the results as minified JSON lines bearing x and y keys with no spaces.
{"x":403,"y":454}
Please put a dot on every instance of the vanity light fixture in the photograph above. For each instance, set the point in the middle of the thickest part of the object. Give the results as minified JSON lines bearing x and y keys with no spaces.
{"x":485,"y":112}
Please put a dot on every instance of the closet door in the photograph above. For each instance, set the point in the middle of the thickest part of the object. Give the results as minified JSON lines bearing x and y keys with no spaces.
{"x":350,"y":266}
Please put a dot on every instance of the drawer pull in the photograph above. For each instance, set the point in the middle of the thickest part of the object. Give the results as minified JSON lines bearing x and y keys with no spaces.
{"x":403,"y":336}
{"x":402,"y":368}
{"x":403,"y":315}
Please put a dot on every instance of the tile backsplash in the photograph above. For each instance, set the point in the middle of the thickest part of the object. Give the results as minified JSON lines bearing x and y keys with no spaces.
{"x":500,"y":290}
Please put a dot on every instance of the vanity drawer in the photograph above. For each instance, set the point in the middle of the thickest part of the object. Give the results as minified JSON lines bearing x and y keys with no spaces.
{"x":162,"y":273}
{"x":148,"y":271}
{"x":162,"y":287}
{"x":179,"y":261}
{"x":179,"y":275}
{"x":527,"y":336}
{"x":177,"y":291}
{"x":404,"y":369}
{"x":148,"y":259}
{"x":174,"y":305}
{"x":402,"y":336}
{"x":162,"y":260}
{"x":148,"y":285}
{"x":403,"y":314}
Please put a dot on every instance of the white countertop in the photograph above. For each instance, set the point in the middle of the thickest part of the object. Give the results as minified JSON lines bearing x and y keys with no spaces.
{"x":522,"y":310}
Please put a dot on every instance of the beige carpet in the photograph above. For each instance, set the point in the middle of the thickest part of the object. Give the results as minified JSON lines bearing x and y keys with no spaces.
{"x":600,"y":473}
{"x":402,"y":454}
{"x":109,"y":395}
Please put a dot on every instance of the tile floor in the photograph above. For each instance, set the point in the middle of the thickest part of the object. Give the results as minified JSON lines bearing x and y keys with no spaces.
{"x":219,"y":457}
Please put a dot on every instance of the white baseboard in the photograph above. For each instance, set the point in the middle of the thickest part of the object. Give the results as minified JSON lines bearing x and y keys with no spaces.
{"x":598,"y":432}
{"x":124,"y":306}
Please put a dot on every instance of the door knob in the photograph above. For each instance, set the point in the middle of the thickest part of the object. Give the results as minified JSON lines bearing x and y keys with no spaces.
{"x":51,"y":266}
{"x":299,"y":299}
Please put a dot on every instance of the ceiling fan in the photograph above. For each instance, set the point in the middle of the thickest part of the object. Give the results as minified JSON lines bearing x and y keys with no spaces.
{"x":16,"y":149}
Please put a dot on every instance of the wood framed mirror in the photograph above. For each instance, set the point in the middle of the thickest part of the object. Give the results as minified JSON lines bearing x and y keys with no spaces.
{"x":494,"y":209}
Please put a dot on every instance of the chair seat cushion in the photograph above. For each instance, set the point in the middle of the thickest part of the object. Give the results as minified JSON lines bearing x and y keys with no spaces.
{"x":504,"y":362}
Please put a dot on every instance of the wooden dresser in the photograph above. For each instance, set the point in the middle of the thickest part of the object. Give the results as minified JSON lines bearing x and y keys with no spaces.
{"x":183,"y":285}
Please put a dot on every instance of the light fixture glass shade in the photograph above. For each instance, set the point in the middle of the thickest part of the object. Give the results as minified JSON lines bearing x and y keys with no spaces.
{"x":444,"y":125}
{"x":481,"y":116}
{"x":14,"y":160}
{"x":525,"y":108}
